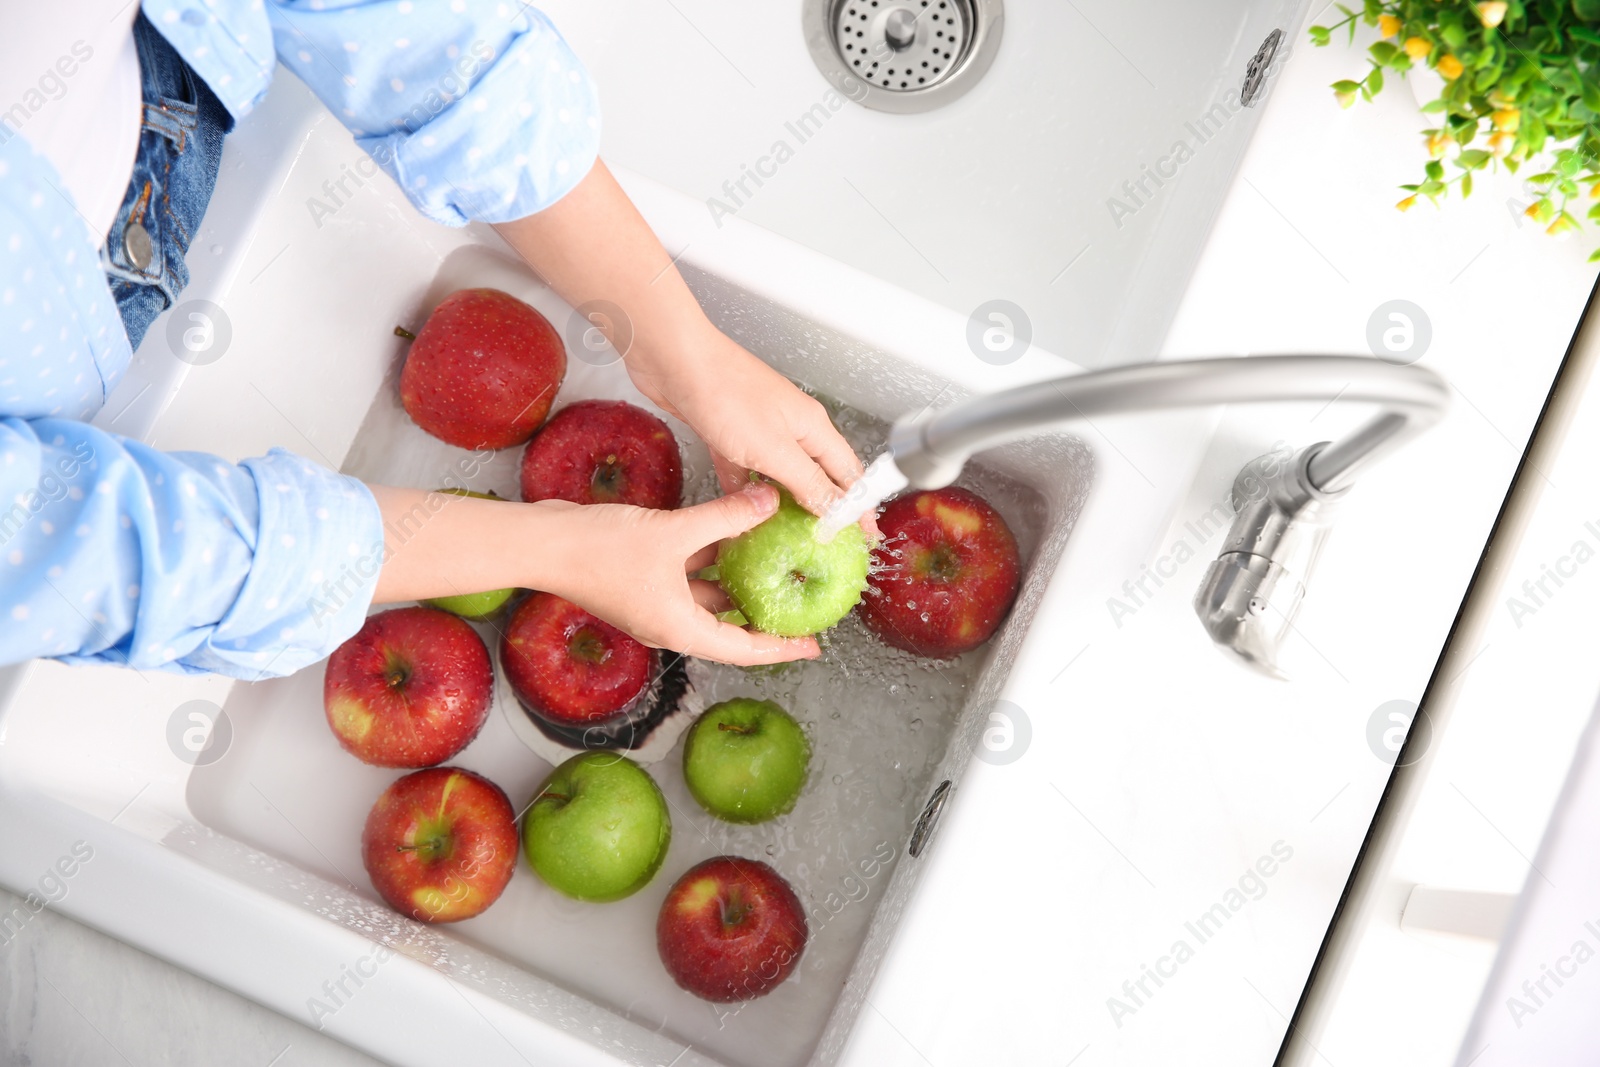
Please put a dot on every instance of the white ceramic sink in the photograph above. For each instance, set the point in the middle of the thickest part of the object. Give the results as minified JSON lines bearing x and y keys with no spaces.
{"x":246,"y":868}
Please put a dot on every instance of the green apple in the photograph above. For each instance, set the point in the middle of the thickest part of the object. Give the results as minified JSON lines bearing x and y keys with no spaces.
{"x":745,"y":760}
{"x":472,"y":605}
{"x":598,"y":828}
{"x":788,"y":583}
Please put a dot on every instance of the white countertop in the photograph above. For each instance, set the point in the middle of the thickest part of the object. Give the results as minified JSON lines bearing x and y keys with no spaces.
{"x":1150,"y":785}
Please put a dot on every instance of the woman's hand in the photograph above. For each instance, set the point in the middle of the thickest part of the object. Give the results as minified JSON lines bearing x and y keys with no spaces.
{"x":633,"y":568}
{"x":593,"y":245}
{"x":753,"y":418}
{"x":630,"y":566}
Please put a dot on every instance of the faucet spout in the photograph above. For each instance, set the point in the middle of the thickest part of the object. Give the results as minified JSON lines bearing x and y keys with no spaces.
{"x":930,"y":451}
{"x":1282,"y":505}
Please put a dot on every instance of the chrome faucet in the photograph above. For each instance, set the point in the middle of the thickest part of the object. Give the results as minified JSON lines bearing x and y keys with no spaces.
{"x":1283,"y":508}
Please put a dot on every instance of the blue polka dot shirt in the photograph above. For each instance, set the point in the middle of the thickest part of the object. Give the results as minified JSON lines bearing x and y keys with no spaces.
{"x":115,"y":552}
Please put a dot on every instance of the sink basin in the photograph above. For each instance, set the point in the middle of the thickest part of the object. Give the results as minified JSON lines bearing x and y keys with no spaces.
{"x":241,"y":862}
{"x":886,"y":727}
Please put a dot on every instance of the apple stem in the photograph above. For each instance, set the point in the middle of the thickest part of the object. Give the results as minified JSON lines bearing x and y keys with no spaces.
{"x":401,"y":331}
{"x":552,"y":796}
{"x":732,"y":729}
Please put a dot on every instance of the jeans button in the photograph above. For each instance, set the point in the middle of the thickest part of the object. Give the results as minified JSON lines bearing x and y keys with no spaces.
{"x":136,"y":243}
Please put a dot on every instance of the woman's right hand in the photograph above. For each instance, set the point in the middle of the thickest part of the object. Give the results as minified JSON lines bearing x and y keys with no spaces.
{"x":632,"y":567}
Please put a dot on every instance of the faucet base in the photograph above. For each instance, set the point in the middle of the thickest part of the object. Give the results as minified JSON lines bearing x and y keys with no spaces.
{"x":1253,"y":590}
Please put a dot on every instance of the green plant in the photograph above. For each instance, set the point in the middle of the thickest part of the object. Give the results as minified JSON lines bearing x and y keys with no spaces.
{"x":1521,"y":85}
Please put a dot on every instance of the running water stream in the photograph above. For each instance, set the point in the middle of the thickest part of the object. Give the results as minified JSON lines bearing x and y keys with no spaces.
{"x":881,"y":481}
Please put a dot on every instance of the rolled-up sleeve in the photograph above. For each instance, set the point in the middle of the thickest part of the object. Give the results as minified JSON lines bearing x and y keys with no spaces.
{"x":114,"y":552}
{"x":478,"y":109}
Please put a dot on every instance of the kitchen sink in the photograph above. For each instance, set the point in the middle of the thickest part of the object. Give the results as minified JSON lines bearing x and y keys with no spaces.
{"x":238,"y":856}
{"x":886,"y":728}
{"x":1046,"y":879}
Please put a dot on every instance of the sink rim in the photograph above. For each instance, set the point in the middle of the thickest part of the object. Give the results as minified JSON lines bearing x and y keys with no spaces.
{"x":197,"y":895}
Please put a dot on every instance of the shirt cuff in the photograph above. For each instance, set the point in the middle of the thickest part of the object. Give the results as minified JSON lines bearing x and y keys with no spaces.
{"x":319,"y":548}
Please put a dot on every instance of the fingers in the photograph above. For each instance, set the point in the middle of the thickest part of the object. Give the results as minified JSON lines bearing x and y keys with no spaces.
{"x":822,"y":441}
{"x":730,"y":475}
{"x":746,"y":648}
{"x":709,"y":595}
{"x":793,"y":468}
{"x":702,"y":559}
{"x":869,"y":526}
{"x":820,"y":464}
{"x":728,"y":516}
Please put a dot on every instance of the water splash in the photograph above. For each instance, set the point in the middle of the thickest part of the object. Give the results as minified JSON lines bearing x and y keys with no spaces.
{"x":881,"y":481}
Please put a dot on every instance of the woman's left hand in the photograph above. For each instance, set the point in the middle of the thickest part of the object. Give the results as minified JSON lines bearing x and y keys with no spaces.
{"x":753,"y":418}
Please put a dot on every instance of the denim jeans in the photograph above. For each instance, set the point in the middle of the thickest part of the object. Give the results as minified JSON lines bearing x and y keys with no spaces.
{"x":180,"y":149}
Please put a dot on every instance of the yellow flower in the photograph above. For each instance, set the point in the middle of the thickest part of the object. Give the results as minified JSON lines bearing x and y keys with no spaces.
{"x":1563,"y":224}
{"x":1388,"y":25}
{"x":1594,"y":191}
{"x":1500,"y":100}
{"x":1500,"y":144}
{"x":1345,"y":98}
{"x":1507,"y":119}
{"x":1418,"y":47}
{"x":1492,"y":13}
{"x":1407,"y":203}
{"x":1449,"y":68}
{"x":1437,"y":142}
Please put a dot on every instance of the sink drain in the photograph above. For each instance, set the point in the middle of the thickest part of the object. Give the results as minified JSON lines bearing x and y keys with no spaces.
{"x":903,"y":55}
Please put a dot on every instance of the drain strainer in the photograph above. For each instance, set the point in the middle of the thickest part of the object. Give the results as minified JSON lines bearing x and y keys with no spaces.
{"x":903,"y":55}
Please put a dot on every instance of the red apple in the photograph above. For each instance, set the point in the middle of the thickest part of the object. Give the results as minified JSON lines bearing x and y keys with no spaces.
{"x":570,"y":667}
{"x":604,"y":452}
{"x":730,"y":929}
{"x":410,"y":689}
{"x":440,"y":844}
{"x":944,"y":576}
{"x":483,"y":370}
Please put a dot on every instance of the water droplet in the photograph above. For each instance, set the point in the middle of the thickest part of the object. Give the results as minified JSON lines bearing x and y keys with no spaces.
{"x":838,"y":779}
{"x":772,"y":850}
{"x":835,"y":715}
{"x":916,"y":724}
